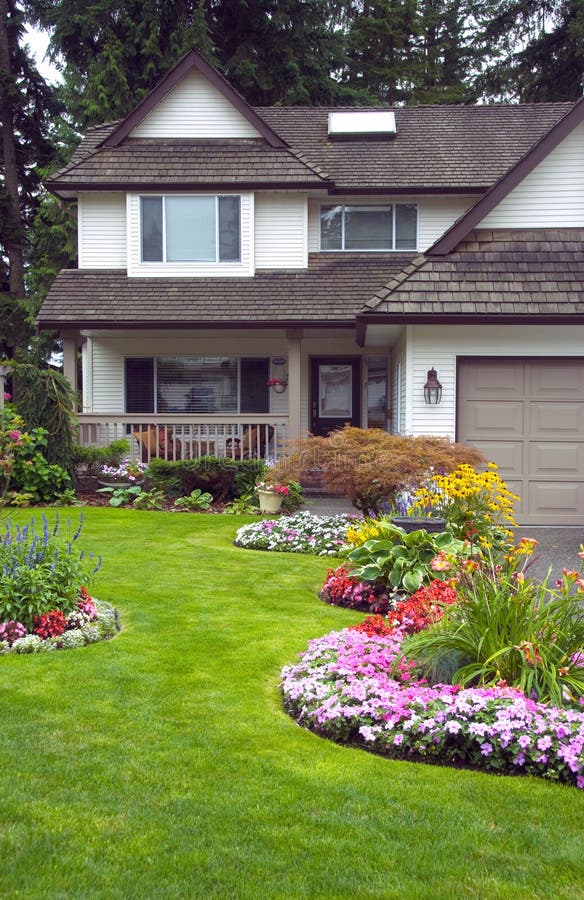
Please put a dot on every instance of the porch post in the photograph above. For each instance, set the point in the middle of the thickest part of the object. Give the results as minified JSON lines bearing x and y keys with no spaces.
{"x":70,"y":340}
{"x":294,"y":337}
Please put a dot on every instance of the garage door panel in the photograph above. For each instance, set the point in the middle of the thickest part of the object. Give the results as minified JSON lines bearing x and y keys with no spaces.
{"x":556,"y":418}
{"x":553,"y":498}
{"x":493,"y":379}
{"x":558,"y":459}
{"x":508,"y":455}
{"x":527,"y":415}
{"x":494,"y":418}
{"x":556,"y":379}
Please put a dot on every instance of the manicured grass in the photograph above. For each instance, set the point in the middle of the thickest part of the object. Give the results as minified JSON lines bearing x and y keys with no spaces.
{"x":161,"y":764}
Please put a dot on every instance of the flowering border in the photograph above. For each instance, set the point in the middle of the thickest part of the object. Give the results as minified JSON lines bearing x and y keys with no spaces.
{"x":343,"y":689}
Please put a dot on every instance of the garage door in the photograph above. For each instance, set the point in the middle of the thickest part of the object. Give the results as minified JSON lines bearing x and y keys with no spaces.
{"x":527,"y":415}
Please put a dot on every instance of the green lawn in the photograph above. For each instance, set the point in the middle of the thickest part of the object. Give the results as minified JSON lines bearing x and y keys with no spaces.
{"x":160,"y":764}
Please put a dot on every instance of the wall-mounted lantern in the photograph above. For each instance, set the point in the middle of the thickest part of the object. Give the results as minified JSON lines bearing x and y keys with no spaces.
{"x":432,"y":388}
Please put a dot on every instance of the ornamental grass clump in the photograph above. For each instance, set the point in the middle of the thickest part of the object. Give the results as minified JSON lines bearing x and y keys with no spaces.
{"x":507,"y":629}
{"x":300,"y":533}
{"x":477,"y":506}
{"x":40,"y":572}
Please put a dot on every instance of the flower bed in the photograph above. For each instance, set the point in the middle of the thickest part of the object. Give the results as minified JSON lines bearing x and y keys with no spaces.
{"x":340,"y":588}
{"x":89,"y":622}
{"x":343,"y":689}
{"x":300,"y":533}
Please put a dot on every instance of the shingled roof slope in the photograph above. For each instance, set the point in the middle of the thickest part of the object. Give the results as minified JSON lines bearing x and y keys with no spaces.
{"x":142,"y":162}
{"x":439,"y":148}
{"x":332,"y":289}
{"x":528,"y":273}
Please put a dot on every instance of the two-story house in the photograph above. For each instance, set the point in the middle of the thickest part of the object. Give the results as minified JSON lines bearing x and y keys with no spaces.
{"x":339,"y":255}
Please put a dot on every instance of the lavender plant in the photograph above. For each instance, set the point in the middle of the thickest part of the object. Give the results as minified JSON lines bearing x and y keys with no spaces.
{"x":39,"y":571}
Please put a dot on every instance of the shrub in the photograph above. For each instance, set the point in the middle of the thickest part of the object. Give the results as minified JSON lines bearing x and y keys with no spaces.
{"x":40,"y":573}
{"x":402,"y":561}
{"x":24,"y":469}
{"x":89,"y":461}
{"x":370,"y":466}
{"x":504,"y":628}
{"x":477,"y":506}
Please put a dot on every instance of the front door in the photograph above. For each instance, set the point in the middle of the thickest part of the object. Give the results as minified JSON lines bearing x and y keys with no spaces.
{"x":335,"y":393}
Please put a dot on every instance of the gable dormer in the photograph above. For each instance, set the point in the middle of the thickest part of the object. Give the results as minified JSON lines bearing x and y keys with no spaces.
{"x":193,"y":101}
{"x":195,"y":109}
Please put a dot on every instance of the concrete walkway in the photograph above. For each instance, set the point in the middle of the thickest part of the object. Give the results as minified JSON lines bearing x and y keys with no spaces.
{"x":557,"y":546}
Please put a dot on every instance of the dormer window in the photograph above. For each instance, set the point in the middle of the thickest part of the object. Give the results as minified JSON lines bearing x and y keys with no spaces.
{"x":391,"y":227}
{"x":178,"y":228}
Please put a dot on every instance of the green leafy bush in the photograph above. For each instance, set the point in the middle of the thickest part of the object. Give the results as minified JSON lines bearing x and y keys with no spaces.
{"x":24,"y":469}
{"x":39,"y":572}
{"x":221,"y":477}
{"x":149,"y":500}
{"x":401,"y":560}
{"x":89,"y":461}
{"x":121,"y":496}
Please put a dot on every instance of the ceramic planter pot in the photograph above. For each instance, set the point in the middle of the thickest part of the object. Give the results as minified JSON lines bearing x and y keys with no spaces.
{"x":269,"y":501}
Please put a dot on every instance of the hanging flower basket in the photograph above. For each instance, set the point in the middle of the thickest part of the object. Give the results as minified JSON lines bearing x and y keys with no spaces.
{"x":278,"y":385}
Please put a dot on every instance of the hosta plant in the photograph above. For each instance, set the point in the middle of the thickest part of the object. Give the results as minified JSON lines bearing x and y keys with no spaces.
{"x":403,"y":561}
{"x":197,"y":499}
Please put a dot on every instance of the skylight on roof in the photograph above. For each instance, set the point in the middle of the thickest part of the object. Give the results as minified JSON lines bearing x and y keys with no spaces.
{"x":363,"y":122}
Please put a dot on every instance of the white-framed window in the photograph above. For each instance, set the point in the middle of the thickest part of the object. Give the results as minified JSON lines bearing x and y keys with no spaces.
{"x":197,"y":384}
{"x":393,"y":226}
{"x":189,"y":228}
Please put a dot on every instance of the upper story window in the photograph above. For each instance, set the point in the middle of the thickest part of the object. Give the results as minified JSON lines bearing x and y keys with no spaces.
{"x":391,"y":227}
{"x":191,"y":229}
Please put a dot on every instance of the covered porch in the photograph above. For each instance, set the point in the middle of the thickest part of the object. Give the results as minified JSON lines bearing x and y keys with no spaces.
{"x":178,"y":437}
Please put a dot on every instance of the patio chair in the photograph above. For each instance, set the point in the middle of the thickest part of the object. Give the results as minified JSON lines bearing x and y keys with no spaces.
{"x":157,"y":441}
{"x":252,"y":444}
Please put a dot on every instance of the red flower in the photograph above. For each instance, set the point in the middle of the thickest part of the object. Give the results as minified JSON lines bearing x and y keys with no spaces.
{"x":51,"y":624}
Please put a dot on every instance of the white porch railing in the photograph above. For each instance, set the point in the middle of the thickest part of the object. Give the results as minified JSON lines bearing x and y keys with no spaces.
{"x":175,"y":437}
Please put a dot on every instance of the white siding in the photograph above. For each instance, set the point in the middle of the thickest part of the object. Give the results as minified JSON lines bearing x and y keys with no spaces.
{"x":102,"y":231}
{"x":398,"y":386}
{"x":435,"y":215}
{"x":104,"y":359}
{"x":439,"y":346}
{"x":550,"y":196}
{"x":280,"y":231}
{"x":195,"y":109}
{"x":136,"y":268}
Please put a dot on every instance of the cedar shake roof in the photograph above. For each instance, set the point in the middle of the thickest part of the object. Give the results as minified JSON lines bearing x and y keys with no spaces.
{"x":436,"y":148}
{"x":332,"y":290}
{"x":525,"y":273}
{"x":139,"y":163}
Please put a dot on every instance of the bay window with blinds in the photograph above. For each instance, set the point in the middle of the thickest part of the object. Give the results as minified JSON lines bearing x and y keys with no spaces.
{"x":197,"y":385}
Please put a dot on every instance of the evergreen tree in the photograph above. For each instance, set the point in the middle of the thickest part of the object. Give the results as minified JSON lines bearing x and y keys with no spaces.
{"x":534,"y":49}
{"x":27,"y":107}
{"x":411,"y":51}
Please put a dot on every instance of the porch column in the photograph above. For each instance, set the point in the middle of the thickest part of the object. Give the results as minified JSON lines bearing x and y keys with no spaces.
{"x":294,"y":337}
{"x":70,"y":341}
